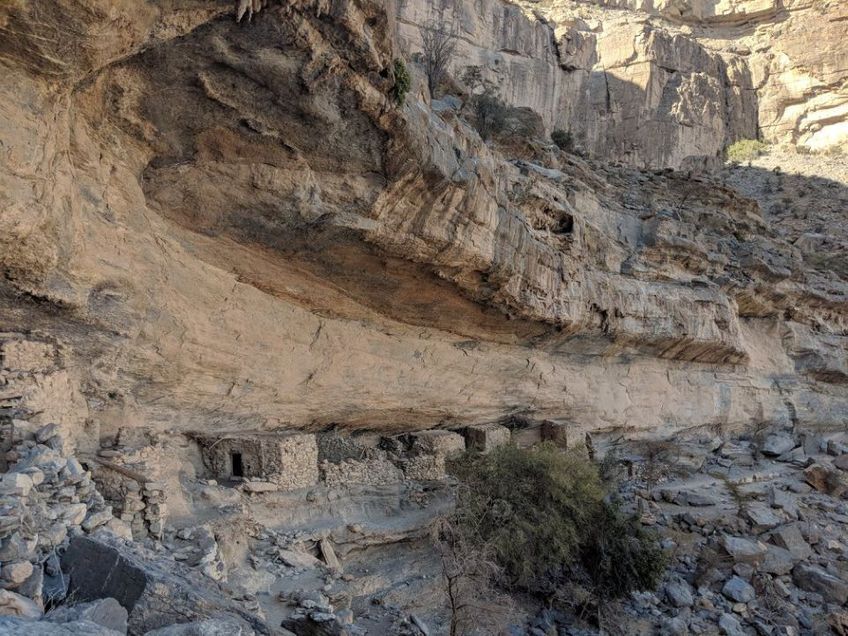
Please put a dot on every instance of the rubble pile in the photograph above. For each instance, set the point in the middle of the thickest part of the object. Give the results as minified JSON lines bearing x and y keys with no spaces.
{"x":47,"y":497}
{"x":757,"y":538}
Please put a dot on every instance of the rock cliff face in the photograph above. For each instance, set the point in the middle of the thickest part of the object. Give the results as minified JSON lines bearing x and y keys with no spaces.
{"x":628,"y":90}
{"x":660,"y":83}
{"x":225,"y":225}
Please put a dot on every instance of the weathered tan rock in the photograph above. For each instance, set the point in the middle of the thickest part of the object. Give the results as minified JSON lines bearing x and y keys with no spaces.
{"x":633,"y":92}
{"x":12,"y":604}
{"x":15,"y":573}
{"x":224,"y":233}
{"x":774,"y":76}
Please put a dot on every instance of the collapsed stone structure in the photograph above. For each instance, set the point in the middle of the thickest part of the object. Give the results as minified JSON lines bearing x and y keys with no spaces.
{"x":47,"y":498}
{"x":486,"y":437}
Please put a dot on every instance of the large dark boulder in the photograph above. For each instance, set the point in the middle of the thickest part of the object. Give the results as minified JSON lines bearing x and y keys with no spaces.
{"x":155,"y":590}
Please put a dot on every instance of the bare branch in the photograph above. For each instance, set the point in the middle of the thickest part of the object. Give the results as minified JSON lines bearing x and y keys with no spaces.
{"x":438,"y":45}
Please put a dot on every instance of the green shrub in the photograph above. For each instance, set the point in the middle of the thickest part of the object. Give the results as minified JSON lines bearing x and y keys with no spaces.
{"x":493,"y":117}
{"x":564,"y":139}
{"x":746,"y":150}
{"x":402,"y":82}
{"x":538,"y":510}
{"x":619,"y":555}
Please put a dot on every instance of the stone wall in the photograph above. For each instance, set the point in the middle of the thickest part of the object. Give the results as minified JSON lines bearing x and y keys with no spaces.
{"x":38,"y":386}
{"x":376,"y":470}
{"x":47,"y":497}
{"x":289,"y":460}
{"x":486,"y":437}
{"x":129,"y":480}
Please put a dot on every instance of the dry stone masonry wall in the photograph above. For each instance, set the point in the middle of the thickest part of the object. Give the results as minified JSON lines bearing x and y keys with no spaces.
{"x":47,"y":498}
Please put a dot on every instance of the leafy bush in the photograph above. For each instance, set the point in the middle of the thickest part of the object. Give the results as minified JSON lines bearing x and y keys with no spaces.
{"x":490,"y":114}
{"x":619,"y":555}
{"x":564,"y":139}
{"x":542,"y":512}
{"x":494,"y":117}
{"x":746,"y":150}
{"x":402,"y":82}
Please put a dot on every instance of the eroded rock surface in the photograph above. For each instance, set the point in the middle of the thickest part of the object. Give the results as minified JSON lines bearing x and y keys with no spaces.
{"x":231,"y":222}
{"x":212,"y":227}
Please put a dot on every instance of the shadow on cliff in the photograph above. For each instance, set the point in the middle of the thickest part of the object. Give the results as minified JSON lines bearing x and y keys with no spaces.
{"x":807,"y":211}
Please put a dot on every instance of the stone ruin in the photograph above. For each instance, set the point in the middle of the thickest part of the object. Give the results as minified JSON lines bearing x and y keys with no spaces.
{"x":47,"y":497}
{"x":486,"y":437}
{"x":286,"y":461}
{"x":135,"y":498}
{"x":417,"y":456}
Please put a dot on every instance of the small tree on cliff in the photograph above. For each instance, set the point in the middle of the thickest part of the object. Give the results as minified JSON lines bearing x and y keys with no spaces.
{"x":437,"y":46}
{"x":470,"y":572}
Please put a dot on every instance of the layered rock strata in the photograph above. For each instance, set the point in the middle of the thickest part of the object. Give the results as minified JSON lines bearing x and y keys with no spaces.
{"x":232,"y":225}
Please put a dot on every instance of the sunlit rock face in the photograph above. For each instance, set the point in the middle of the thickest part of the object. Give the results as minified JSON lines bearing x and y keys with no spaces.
{"x":628,"y":90}
{"x":225,"y":225}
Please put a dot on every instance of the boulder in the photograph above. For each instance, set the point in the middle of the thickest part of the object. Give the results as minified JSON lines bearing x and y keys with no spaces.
{"x":329,"y":554}
{"x":743,"y":550}
{"x":738,"y":590}
{"x":778,"y":561}
{"x":838,"y":623}
{"x":33,"y":586}
{"x":18,"y":547}
{"x":785,"y":501}
{"x":841,"y":462}
{"x":256,"y":487}
{"x":96,"y":518}
{"x":789,"y":537}
{"x":20,"y":627}
{"x":811,"y":578}
{"x":700,"y":499}
{"x":317,"y":624}
{"x":825,"y":479}
{"x":73,"y":514}
{"x":154,"y":590}
{"x":679,"y":593}
{"x":12,"y":604}
{"x":296,"y":559}
{"x":729,"y":625}
{"x":778,"y":443}
{"x":117,"y":527}
{"x":105,"y":612}
{"x":46,"y":432}
{"x":208,"y":627}
{"x":762,"y":517}
{"x":15,"y":573}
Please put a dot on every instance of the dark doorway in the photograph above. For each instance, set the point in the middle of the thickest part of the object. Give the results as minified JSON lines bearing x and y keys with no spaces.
{"x":238,"y":467}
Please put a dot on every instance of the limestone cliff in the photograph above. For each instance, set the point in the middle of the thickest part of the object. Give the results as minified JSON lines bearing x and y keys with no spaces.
{"x":209,"y":224}
{"x":660,"y":83}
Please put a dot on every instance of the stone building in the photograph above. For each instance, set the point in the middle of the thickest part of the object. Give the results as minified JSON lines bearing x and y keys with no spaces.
{"x":288,"y":460}
{"x":486,"y":437}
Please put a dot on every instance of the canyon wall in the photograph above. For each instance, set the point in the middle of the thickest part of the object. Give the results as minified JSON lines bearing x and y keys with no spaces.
{"x":659,"y":83}
{"x":228,"y":225}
